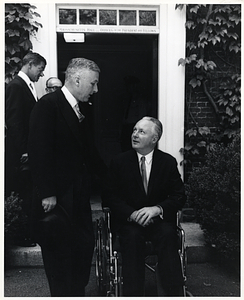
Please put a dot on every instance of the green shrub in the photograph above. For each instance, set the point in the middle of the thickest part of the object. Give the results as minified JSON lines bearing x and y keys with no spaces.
{"x":214,"y":191}
{"x":15,"y":219}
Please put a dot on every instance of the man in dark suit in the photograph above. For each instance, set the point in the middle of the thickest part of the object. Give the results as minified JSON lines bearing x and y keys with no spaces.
{"x":62,"y":158}
{"x":145,"y":193}
{"x":20,"y":99}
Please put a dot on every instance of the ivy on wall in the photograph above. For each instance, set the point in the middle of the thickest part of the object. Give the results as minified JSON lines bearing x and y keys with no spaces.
{"x":20,"y":24}
{"x":213,"y":69}
{"x":212,"y":122}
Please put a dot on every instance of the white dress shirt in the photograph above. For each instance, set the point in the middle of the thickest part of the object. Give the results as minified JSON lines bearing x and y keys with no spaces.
{"x":70,"y":98}
{"x":148,"y":162}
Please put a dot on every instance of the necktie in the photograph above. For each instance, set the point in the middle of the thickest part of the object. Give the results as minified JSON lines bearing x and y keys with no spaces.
{"x":81,"y":117}
{"x":33,"y":90}
{"x":143,"y":173}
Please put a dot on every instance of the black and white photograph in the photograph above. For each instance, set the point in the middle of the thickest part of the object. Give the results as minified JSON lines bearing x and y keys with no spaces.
{"x":122,"y":149}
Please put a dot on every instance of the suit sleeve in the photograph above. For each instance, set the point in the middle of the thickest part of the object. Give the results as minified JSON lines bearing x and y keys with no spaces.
{"x":15,"y":117}
{"x":115,"y":201}
{"x":176,"y":197}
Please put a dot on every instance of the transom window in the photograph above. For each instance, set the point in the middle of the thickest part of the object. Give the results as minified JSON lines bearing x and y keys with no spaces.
{"x":77,"y":18}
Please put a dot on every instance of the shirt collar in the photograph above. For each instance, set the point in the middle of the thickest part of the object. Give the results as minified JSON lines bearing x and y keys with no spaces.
{"x":148,"y":157}
{"x":70,"y":98}
{"x":24,"y":77}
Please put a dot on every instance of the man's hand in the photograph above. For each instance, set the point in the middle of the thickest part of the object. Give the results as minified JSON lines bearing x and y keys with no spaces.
{"x":49,"y":203}
{"x":132,"y":217}
{"x":145,"y":215}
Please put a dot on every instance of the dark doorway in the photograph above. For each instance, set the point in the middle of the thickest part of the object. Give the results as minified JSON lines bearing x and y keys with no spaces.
{"x":128,"y":86}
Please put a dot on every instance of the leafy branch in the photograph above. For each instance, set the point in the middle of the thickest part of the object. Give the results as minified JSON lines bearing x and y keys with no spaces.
{"x":20,"y":24}
{"x":212,"y":62}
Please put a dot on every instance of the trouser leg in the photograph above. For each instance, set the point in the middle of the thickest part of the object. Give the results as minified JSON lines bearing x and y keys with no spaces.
{"x":67,"y":264}
{"x":24,"y":189}
{"x":133,"y":255}
{"x":165,"y":238}
{"x":58,"y":271}
{"x":81,"y":265}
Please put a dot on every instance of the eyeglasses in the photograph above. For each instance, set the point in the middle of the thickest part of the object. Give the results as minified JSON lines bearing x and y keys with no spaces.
{"x":53,"y":87}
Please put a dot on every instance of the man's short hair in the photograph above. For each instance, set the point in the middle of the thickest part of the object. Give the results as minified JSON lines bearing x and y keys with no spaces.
{"x":77,"y":64}
{"x":50,"y":81}
{"x":34,"y":58}
{"x":158,"y":125}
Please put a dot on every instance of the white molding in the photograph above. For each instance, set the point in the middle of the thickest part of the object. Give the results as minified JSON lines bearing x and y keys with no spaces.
{"x":171,"y":80}
{"x":46,"y":43}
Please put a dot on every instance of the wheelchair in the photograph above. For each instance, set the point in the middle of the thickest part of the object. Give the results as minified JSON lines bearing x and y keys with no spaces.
{"x":108,"y":258}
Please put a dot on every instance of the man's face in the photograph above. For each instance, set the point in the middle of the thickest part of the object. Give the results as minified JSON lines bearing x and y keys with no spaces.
{"x":143,"y":138}
{"x":53,"y":84}
{"x":36,"y":71}
{"x":87,"y":85}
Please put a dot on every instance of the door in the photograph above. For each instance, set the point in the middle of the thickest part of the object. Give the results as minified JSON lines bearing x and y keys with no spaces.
{"x":128,"y":85}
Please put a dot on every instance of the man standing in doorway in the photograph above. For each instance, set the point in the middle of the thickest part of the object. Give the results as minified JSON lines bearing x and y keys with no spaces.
{"x":62,"y":158}
{"x":20,"y":99}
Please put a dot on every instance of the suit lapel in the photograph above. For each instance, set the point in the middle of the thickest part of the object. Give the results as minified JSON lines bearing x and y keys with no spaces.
{"x":26,"y":88}
{"x":69,"y":115}
{"x":154,"y":170}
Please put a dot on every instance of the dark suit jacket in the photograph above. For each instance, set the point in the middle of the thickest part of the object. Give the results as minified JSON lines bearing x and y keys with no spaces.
{"x":126,"y":191}
{"x":19,"y":102}
{"x":62,"y":156}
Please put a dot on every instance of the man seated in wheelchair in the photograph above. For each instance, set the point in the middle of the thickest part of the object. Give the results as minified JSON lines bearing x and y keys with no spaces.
{"x":145,"y":192}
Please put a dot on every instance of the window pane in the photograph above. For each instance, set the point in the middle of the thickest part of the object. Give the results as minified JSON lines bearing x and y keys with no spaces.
{"x":127,"y":17}
{"x":147,"y":18}
{"x":107,"y":17}
{"x":88,"y":16}
{"x":67,"y":16}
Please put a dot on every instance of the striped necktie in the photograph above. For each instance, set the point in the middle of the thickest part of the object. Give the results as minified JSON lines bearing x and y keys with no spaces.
{"x":143,"y":173}
{"x":81,"y":117}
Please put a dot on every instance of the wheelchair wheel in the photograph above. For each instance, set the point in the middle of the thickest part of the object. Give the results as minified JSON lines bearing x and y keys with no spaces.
{"x":98,"y":255}
{"x":185,"y":262}
{"x":102,"y":257}
{"x":108,"y":268}
{"x":116,"y":279}
{"x":188,"y":294}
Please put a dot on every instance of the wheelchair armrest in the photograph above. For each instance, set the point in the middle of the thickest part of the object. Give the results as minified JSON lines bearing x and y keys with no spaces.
{"x":179,"y":217}
{"x":106,"y":209}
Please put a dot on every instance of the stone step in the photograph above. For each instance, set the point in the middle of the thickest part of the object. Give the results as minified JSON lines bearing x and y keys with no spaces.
{"x":197,"y":252}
